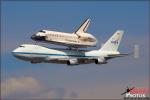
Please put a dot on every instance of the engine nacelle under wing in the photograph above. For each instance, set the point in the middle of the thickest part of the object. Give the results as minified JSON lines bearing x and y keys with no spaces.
{"x":35,"y":62}
{"x":72,"y":62}
{"x":100,"y":60}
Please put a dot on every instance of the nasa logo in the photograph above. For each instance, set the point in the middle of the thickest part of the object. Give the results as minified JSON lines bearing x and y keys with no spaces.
{"x":115,"y":40}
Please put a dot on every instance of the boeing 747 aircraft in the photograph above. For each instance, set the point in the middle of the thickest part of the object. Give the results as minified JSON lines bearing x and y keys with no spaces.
{"x":39,"y":54}
{"x":78,"y":39}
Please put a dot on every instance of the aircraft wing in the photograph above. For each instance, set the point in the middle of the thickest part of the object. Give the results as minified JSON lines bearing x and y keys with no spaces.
{"x":132,"y":88}
{"x":106,"y":57}
{"x":128,"y":91}
{"x":83,"y":60}
{"x":124,"y":93}
{"x":65,"y":60}
{"x":92,"y":59}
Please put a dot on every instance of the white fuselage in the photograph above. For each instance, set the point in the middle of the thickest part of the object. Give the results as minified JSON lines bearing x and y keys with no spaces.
{"x":66,"y":39}
{"x":38,"y":54}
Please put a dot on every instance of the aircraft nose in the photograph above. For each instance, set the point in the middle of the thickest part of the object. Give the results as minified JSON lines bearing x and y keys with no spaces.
{"x":33,"y":37}
{"x":14,"y":52}
{"x":38,"y":38}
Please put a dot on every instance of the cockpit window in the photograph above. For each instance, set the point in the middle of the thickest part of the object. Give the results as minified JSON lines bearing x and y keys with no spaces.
{"x":42,"y":31}
{"x":21,"y":46}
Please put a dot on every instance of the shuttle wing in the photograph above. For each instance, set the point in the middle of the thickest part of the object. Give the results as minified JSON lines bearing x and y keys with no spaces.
{"x":83,"y":27}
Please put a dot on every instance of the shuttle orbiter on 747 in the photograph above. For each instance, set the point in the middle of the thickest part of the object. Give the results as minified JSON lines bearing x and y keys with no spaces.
{"x":78,"y":39}
{"x":39,"y":54}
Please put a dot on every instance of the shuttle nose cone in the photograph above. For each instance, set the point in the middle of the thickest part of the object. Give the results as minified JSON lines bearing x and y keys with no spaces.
{"x":37,"y":38}
{"x":33,"y":37}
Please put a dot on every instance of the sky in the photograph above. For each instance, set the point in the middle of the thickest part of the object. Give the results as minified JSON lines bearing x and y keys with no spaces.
{"x":20,"y":20}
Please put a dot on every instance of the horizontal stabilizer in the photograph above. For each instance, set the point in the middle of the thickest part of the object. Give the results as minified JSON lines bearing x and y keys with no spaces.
{"x":118,"y":55}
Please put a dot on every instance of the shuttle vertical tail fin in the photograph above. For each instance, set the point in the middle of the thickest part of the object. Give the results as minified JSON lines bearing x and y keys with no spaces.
{"x":113,"y":42}
{"x":83,"y":27}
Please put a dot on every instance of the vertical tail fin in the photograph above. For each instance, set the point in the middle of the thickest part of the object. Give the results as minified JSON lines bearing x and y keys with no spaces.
{"x":83,"y":27}
{"x":113,"y":43}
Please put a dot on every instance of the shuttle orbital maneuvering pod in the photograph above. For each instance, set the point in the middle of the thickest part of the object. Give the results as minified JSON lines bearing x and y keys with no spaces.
{"x":39,"y":54}
{"x":78,"y":39}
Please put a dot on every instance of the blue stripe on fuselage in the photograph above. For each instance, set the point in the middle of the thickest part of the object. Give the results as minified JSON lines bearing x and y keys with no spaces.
{"x":52,"y":54}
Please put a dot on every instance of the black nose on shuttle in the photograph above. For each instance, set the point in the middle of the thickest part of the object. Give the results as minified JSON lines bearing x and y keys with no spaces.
{"x":38,"y":38}
{"x":33,"y":37}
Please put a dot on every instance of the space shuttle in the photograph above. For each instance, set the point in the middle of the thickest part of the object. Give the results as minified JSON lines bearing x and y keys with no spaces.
{"x":78,"y":39}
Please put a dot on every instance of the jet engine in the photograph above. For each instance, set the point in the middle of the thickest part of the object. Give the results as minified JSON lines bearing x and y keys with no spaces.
{"x":100,"y":60}
{"x":35,"y":62}
{"x":72,"y":62}
{"x":84,"y":35}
